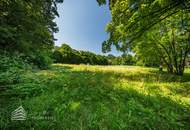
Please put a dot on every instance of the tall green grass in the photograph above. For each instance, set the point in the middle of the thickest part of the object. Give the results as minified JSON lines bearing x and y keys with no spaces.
{"x":99,"y":97}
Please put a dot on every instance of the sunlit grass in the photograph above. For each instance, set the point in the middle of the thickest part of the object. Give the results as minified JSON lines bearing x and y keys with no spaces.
{"x":106,"y":97}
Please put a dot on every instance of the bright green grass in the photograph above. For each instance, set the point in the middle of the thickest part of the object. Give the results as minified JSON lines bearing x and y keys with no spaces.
{"x":80,"y":97}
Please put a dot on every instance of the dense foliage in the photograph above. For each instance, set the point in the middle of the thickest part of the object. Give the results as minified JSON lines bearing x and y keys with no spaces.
{"x":143,"y":26}
{"x":11,"y":69}
{"x":125,"y":59}
{"x":65,"y":54}
{"x":171,"y":42}
{"x":131,"y":18}
{"x":27,"y":27}
{"x":146,"y":54}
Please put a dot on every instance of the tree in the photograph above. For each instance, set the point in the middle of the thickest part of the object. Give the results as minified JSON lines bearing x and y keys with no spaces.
{"x":65,"y":54}
{"x":168,"y":42}
{"x":131,"y":18}
{"x":145,"y":53}
{"x":127,"y":59}
{"x":27,"y":26}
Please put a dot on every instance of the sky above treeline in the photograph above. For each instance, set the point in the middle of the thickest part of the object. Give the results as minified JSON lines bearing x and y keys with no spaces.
{"x":82,"y":25}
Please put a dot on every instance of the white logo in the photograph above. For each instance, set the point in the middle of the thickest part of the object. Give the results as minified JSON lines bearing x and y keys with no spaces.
{"x":18,"y":114}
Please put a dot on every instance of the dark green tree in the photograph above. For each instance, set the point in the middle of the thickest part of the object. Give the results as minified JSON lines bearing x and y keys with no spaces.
{"x":65,"y":54}
{"x":27,"y":26}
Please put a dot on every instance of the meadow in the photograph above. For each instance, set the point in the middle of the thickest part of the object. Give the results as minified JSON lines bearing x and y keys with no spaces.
{"x":85,"y":97}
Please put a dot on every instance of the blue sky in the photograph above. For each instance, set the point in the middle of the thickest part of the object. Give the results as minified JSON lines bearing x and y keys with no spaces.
{"x":82,"y":25}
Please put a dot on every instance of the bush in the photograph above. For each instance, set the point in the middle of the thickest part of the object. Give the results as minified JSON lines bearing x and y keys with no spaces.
{"x":40,"y":59}
{"x":11,"y":67}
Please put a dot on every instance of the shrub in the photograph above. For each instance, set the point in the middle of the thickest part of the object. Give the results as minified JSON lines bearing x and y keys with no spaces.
{"x":40,"y":59}
{"x":11,"y":67}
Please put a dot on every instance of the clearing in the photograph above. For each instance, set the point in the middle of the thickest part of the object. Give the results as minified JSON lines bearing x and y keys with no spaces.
{"x":86,"y":97}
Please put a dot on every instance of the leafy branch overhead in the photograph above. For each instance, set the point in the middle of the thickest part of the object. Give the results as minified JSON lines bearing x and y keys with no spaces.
{"x":101,"y":2}
{"x":131,"y":18}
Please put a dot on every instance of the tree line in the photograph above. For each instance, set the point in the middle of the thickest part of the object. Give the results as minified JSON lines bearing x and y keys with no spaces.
{"x":65,"y":54}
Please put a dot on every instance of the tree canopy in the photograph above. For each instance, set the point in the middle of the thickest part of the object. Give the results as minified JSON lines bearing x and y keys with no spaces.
{"x":27,"y":26}
{"x":65,"y":54}
{"x":141,"y":26}
{"x":131,"y":18}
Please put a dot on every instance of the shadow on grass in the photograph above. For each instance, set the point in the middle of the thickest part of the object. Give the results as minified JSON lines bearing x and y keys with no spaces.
{"x":186,"y":76}
{"x":91,"y":100}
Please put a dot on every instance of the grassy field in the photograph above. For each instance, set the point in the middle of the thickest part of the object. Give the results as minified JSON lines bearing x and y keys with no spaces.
{"x":80,"y":97}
